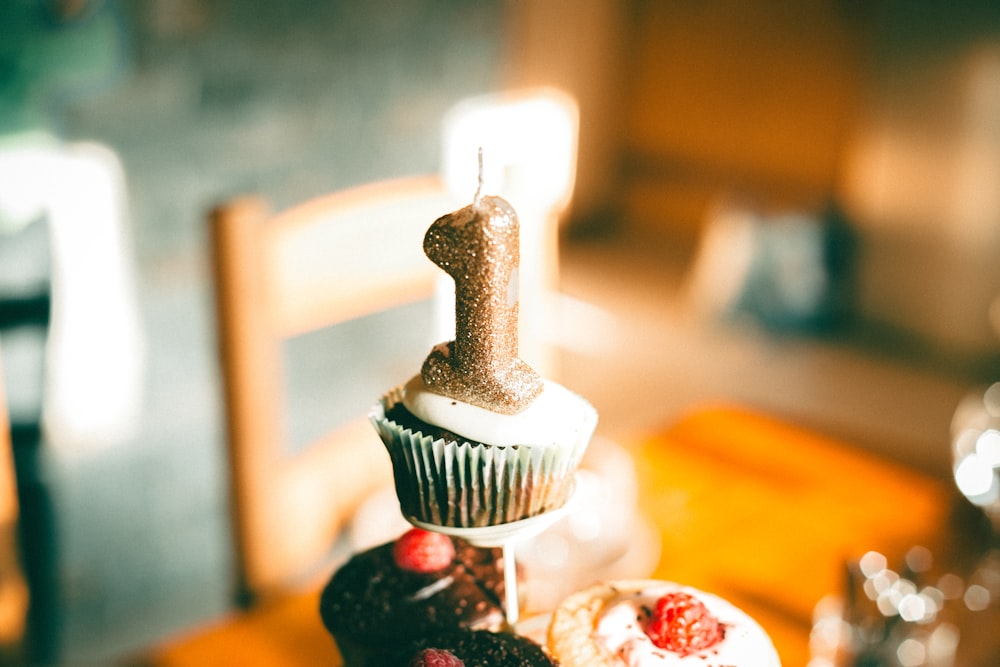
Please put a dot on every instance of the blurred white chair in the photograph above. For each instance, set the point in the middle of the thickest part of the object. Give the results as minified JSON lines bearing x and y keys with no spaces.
{"x":95,"y":347}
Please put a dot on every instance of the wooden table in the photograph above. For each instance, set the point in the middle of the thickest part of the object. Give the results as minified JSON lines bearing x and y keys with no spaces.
{"x":748,"y":507}
{"x":765,"y":514}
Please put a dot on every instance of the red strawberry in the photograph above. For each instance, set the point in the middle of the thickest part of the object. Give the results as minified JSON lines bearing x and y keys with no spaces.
{"x":436,"y":657}
{"x":682,"y":624}
{"x":423,"y":551}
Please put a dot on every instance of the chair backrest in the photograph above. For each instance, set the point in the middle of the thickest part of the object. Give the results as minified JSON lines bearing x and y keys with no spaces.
{"x":323,"y":262}
{"x":13,"y":587}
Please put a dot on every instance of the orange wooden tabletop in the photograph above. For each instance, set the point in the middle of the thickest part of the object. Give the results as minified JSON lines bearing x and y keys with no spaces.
{"x":764,"y":513}
{"x":748,"y":507}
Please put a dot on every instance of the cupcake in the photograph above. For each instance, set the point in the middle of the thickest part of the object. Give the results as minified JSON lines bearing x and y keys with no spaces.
{"x":421,"y":584}
{"x":478,"y":438}
{"x":651,"y":623}
{"x":467,"y":648}
{"x":460,"y":465}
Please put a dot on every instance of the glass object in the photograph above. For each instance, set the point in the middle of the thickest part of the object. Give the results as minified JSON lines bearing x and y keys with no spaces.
{"x":921,"y":612}
{"x":976,"y":452}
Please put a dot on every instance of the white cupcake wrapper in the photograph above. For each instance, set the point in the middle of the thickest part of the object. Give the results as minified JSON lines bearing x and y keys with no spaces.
{"x":465,"y":485}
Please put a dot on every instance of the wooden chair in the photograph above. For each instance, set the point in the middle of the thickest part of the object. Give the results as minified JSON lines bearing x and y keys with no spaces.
{"x":13,"y":587}
{"x":326,"y":261}
{"x":329,"y":260}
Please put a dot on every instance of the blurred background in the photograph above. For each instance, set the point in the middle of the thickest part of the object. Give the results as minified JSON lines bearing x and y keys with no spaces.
{"x":839,"y":159}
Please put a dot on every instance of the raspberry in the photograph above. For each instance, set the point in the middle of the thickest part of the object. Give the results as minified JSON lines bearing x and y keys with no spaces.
{"x":682,"y":624}
{"x":423,"y":551}
{"x":436,"y":657}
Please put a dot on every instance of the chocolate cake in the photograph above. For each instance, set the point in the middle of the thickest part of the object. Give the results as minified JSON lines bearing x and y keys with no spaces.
{"x":380,"y":598}
{"x":469,"y":648}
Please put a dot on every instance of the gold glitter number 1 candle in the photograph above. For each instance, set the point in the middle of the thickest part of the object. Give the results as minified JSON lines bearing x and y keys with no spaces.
{"x":478,"y":246}
{"x":488,"y":492}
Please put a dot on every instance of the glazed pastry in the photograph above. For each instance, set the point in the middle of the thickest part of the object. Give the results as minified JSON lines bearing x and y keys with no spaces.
{"x":421,"y":584}
{"x":652,"y":623}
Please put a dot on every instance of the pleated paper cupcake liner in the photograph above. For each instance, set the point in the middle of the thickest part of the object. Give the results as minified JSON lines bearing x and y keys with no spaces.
{"x":470,"y":485}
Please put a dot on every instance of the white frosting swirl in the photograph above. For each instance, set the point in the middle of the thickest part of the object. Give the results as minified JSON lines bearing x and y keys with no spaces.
{"x":556,"y":417}
{"x":621,"y":630}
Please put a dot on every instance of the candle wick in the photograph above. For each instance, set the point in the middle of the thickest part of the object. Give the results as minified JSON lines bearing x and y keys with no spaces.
{"x":479,"y":189}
